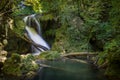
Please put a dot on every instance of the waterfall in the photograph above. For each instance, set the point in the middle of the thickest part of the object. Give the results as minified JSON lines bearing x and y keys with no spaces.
{"x":34,"y":34}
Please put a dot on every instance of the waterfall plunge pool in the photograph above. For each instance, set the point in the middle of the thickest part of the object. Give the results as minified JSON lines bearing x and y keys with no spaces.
{"x":68,"y":70}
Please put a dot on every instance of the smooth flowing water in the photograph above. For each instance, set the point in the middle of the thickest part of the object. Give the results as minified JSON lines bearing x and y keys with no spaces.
{"x":68,"y":70}
{"x":34,"y":34}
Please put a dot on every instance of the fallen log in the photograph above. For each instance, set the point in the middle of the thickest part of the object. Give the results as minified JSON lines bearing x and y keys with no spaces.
{"x":80,"y":54}
{"x":57,"y":68}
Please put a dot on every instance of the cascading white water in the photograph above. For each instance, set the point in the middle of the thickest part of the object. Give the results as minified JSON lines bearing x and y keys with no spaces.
{"x":34,"y":34}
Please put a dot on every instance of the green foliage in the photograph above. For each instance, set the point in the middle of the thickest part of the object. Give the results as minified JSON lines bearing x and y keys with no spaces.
{"x":78,"y":25}
{"x":12,"y":66}
{"x":28,"y":63}
{"x":47,"y":17}
{"x":19,"y":26}
{"x":16,"y":65}
{"x":111,"y":37}
{"x":90,"y":10}
{"x":115,"y":11}
{"x":30,"y":7}
{"x":26,"y":11}
{"x":66,"y":13}
{"x":35,"y":5}
{"x":100,"y":30}
{"x":49,"y":55}
{"x":61,"y":42}
{"x":50,"y":6}
{"x":102,"y":58}
{"x":113,"y":55}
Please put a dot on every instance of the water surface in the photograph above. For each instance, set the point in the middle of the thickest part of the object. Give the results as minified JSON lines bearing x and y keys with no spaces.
{"x":68,"y":70}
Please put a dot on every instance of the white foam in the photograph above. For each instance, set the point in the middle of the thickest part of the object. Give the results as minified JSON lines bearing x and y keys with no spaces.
{"x":35,"y":36}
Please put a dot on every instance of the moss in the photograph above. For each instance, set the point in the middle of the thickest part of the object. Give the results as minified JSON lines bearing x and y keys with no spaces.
{"x":111,"y":54}
{"x":49,"y":55}
{"x":60,"y":40}
{"x":102,"y":58}
{"x":72,"y":37}
{"x":12,"y":65}
{"x":28,"y":63}
{"x":17,"y":65}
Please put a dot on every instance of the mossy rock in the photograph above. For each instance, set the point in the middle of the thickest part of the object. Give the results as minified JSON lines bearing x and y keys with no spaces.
{"x":49,"y":55}
{"x":12,"y":66}
{"x":18,"y":65}
{"x":28,"y":63}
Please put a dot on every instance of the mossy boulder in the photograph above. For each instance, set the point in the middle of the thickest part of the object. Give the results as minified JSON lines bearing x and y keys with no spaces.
{"x":12,"y":65}
{"x":17,"y":65}
{"x":28,"y":63}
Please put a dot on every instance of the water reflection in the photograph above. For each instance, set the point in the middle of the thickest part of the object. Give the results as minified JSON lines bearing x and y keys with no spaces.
{"x":68,"y":70}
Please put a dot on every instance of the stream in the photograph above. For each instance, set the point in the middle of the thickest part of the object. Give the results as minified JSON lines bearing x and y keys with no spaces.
{"x":69,"y":70}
